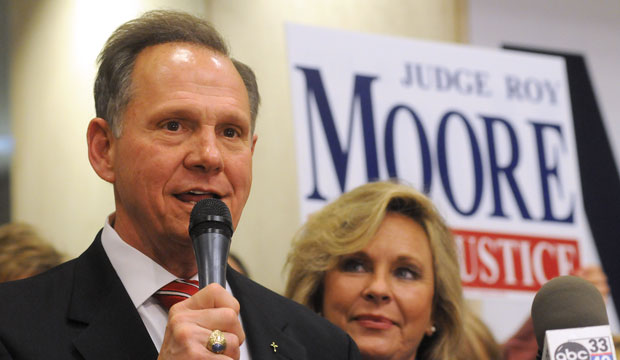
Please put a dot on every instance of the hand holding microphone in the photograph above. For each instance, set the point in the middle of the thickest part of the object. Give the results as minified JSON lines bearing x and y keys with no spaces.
{"x":211,"y":315}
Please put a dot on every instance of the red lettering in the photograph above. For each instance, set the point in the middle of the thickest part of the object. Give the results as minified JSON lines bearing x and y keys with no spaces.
{"x":511,"y":261}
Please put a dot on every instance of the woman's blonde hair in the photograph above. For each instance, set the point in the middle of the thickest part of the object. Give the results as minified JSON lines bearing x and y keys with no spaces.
{"x":24,"y":253}
{"x":347,"y":225}
{"x":478,"y":341}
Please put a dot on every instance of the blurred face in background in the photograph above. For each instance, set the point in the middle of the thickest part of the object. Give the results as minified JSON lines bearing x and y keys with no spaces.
{"x":382,"y":296}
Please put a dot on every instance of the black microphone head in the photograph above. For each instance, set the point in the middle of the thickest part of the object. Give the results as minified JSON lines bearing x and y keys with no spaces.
{"x":567,"y":302}
{"x":210,"y":215}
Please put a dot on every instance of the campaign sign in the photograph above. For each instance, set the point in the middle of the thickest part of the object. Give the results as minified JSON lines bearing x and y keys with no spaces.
{"x":487,"y":134}
{"x":586,"y":343}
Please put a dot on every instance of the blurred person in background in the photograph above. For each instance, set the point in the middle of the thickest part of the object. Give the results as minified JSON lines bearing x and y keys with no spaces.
{"x":381,"y":263}
{"x":24,"y":253}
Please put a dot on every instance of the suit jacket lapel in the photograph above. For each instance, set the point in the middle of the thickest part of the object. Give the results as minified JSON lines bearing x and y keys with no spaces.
{"x":264,"y":324}
{"x":113,"y":328}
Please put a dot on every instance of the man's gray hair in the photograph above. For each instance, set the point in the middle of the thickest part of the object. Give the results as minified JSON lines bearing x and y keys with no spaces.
{"x":113,"y":86}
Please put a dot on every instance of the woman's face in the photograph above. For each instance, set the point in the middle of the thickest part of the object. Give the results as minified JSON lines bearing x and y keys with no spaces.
{"x":382,"y":296}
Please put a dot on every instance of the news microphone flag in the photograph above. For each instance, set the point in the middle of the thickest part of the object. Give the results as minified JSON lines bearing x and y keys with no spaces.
{"x":584,"y":343}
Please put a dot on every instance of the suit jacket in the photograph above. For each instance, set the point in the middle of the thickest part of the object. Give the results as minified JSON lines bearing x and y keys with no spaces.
{"x":80,"y":310}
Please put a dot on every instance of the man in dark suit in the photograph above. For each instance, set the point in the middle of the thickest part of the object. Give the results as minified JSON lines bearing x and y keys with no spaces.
{"x":175,"y":124}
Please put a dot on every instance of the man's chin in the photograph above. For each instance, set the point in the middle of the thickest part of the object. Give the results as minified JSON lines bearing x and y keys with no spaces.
{"x":176,"y":235}
{"x":181,"y":239}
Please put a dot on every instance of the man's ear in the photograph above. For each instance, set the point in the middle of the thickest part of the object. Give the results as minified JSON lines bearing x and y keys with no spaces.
{"x":254,"y":138}
{"x":101,"y":148}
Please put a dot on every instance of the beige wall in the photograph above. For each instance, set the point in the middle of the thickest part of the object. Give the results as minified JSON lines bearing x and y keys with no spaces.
{"x":55,"y":44}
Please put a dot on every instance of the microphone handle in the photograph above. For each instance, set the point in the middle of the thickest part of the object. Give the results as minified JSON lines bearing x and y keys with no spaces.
{"x":211,"y":250}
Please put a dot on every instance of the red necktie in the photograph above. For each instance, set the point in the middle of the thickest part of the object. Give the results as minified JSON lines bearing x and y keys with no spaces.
{"x":175,"y":291}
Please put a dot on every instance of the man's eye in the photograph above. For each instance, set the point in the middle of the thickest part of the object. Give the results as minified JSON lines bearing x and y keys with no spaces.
{"x":230,"y":132}
{"x":173,"y":126}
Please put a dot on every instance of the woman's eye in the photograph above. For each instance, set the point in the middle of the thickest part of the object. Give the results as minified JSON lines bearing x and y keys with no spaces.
{"x":352,"y":265}
{"x":406,"y":273}
{"x":173,"y":126}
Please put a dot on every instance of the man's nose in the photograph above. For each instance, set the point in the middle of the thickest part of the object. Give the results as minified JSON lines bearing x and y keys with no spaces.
{"x":204,"y":151}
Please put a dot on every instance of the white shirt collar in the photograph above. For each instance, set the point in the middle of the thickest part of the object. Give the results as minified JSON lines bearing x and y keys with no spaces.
{"x":140,"y":275}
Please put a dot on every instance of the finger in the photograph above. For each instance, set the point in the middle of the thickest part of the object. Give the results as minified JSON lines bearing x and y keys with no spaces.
{"x":223,"y":319}
{"x":212,"y":296}
{"x":231,"y":347}
{"x":188,"y":340}
{"x":183,"y":340}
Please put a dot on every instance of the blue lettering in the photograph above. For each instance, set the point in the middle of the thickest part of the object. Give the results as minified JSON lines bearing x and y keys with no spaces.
{"x":340,"y":155}
{"x":424,"y":147}
{"x":443,"y":162}
{"x":507,"y":170}
{"x":548,"y":172}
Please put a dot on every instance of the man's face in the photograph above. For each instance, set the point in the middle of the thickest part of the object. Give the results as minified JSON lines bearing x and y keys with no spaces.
{"x":186,"y":136}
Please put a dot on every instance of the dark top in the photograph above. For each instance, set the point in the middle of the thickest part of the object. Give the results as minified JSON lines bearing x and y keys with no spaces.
{"x":80,"y":310}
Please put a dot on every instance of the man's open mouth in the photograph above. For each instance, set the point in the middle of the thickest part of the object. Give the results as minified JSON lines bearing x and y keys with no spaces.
{"x":193,"y":196}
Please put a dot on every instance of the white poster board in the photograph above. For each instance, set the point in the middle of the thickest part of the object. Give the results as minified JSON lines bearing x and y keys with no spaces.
{"x":486,"y":133}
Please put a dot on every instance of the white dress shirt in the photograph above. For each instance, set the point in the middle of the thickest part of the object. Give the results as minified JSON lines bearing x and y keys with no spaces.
{"x":141,"y":277}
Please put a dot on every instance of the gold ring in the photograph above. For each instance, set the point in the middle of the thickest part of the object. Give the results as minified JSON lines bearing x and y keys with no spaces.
{"x":217,"y":342}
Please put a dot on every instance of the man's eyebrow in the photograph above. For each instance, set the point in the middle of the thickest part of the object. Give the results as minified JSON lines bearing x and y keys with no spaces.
{"x":174,"y":111}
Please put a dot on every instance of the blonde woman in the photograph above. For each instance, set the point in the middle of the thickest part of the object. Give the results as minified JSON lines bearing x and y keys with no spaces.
{"x":380,"y":263}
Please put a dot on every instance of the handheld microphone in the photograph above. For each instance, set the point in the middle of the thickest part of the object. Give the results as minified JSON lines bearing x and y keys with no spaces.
{"x":570,"y":321}
{"x":210,"y":227}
